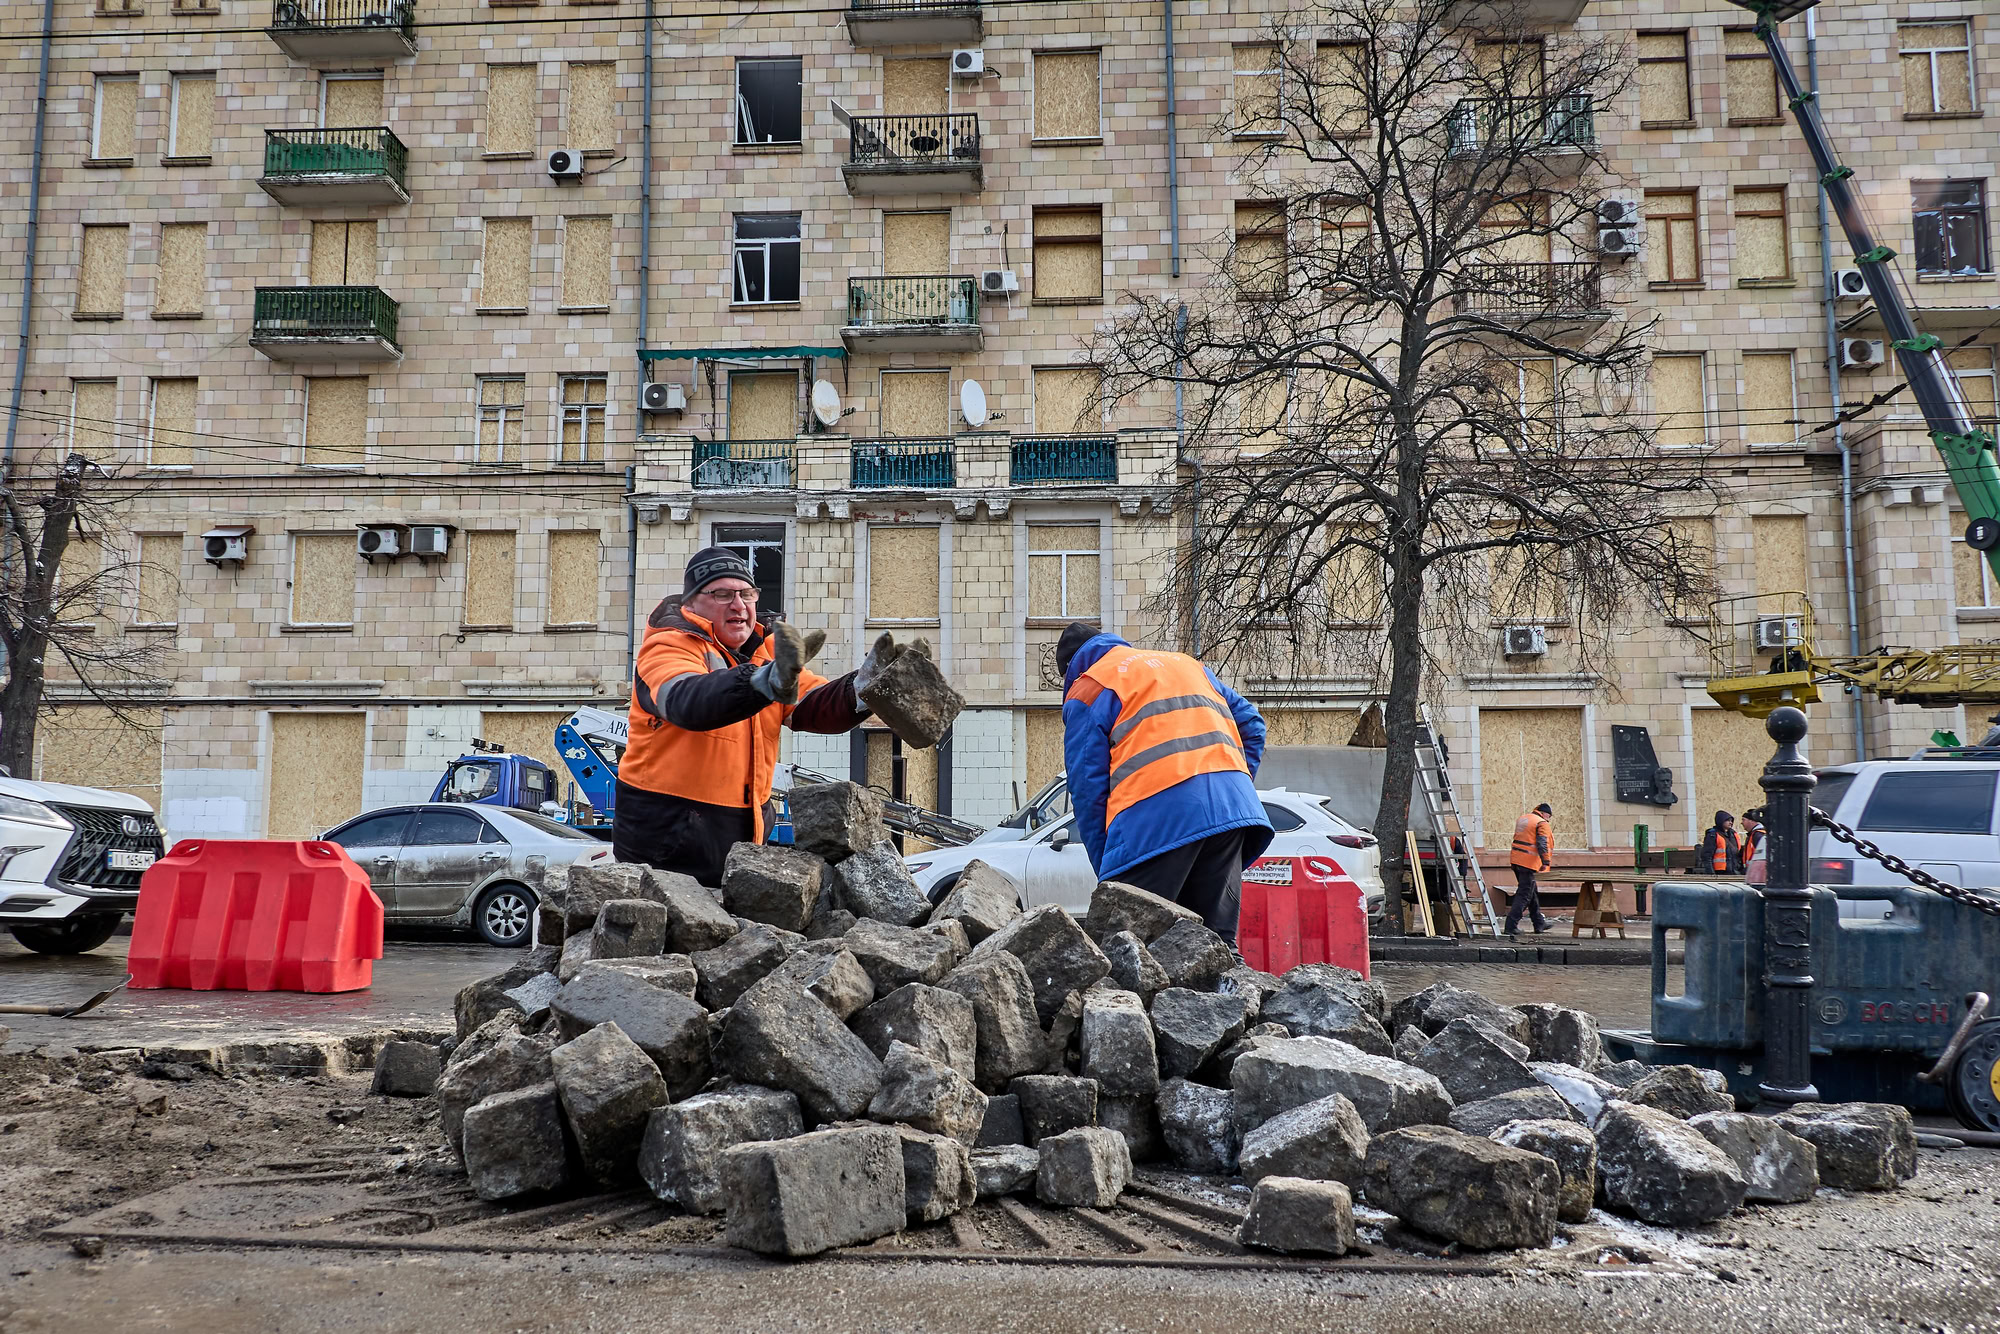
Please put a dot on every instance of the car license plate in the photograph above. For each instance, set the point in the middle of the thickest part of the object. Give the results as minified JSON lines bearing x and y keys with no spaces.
{"x":129,"y":861}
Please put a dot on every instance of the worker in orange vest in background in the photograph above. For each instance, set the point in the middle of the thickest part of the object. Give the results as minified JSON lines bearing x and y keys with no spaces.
{"x":1723,"y":850}
{"x":1753,"y":837}
{"x":1534,"y":843}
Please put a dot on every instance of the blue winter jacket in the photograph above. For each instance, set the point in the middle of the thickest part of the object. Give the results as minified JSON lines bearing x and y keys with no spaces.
{"x":1185,"y":813}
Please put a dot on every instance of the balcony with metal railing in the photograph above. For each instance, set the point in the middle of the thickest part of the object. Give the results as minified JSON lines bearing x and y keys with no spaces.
{"x":743,"y":465}
{"x":1040,"y":460}
{"x":339,"y":30}
{"x":913,"y":314}
{"x":895,"y":22}
{"x":1539,"y":125}
{"x":905,"y":464}
{"x":325,"y":324}
{"x":1570,"y":293}
{"x":1506,"y":15}
{"x":913,"y":155}
{"x":323,"y":167}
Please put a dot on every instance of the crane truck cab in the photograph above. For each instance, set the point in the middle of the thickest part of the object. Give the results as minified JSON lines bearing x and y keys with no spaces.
{"x":492,"y":777}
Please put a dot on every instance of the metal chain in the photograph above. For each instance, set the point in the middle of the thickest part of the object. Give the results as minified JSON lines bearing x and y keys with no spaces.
{"x":1821,"y":820}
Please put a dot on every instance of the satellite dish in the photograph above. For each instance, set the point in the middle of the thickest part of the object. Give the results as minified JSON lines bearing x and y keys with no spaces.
{"x":972,"y":402}
{"x":826,"y":403}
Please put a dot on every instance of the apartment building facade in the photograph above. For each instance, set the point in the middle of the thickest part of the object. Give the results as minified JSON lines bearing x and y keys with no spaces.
{"x":305,"y":268}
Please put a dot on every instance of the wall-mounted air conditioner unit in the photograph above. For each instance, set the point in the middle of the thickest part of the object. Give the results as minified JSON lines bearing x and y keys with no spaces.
{"x":430,"y":540}
{"x":1860,"y":354}
{"x":379,"y":541}
{"x":998,"y":282}
{"x":1524,"y":641}
{"x":661,"y":396}
{"x":1617,"y":213}
{"x":1773,"y":632}
{"x":968,"y":61}
{"x":1849,"y":285}
{"x":226,"y":546}
{"x":566,"y":164}
{"x":1617,"y":242}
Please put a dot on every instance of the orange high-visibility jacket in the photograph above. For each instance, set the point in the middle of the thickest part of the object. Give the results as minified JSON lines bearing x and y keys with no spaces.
{"x":1533,"y":842}
{"x":1172,"y":724}
{"x":1731,"y":851}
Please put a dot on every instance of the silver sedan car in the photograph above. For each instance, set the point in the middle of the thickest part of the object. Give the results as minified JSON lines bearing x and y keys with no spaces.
{"x":448,"y":864}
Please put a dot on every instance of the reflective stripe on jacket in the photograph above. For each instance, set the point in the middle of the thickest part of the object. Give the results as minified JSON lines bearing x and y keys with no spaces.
{"x":1533,"y":842}
{"x":1727,"y":852}
{"x":1172,"y":724}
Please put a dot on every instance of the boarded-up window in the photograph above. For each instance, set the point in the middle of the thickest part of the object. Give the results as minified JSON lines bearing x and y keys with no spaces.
{"x":1356,"y":583}
{"x":350,"y":101}
{"x":1308,"y":727}
{"x":100,"y":288}
{"x":183,"y":280}
{"x":1663,"y":79}
{"x":919,"y":776}
{"x":79,"y":588}
{"x":323,"y":578}
{"x":531,"y":732}
{"x":1769,"y":405}
{"x":574,"y":577}
{"x":159,"y":579}
{"x":586,"y":262}
{"x":116,"y":115}
{"x":1257,"y":89}
{"x":1778,"y":546}
{"x":192,"y":131}
{"x":336,"y":422}
{"x":1517,"y":231}
{"x":316,"y":770}
{"x":764,"y":406}
{"x":503,"y":267}
{"x":1763,"y":250}
{"x":1259,"y":259}
{"x":1694,"y":546}
{"x":1730,"y":752}
{"x":1527,"y":583}
{"x":1937,"y":69}
{"x":489,"y":579}
{"x":1069,"y":400}
{"x":170,"y":434}
{"x":1511,"y":69}
{"x":93,"y":418}
{"x":502,"y":410}
{"x":916,"y":403}
{"x":1261,"y":412}
{"x":593,"y":107}
{"x":902,"y":572}
{"x":916,"y":87}
{"x":1973,"y":368}
{"x":1536,"y":397}
{"x":1972,"y":579}
{"x":343,"y":254}
{"x":1527,"y":757}
{"x":916,"y":244}
{"x":584,"y":407}
{"x":1673,"y":241}
{"x":1342,"y":87}
{"x":1066,"y":96}
{"x":1069,"y":256}
{"x":1044,"y":747}
{"x":94,"y":747}
{"x":1065,"y":566}
{"x":1680,"y":401}
{"x":1753,"y":82}
{"x":513,"y":108}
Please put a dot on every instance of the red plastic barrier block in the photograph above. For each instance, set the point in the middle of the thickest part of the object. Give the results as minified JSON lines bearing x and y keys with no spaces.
{"x":255,"y":915}
{"x":1301,"y":910}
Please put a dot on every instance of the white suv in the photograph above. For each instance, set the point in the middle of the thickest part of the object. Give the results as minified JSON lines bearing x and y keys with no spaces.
{"x":70,"y":862}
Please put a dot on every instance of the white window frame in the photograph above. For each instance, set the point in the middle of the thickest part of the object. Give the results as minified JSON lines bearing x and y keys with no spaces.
{"x":737,"y":247}
{"x":1064,"y":555}
{"x":1520,"y":365}
{"x":1034,"y":61}
{"x":152,"y":423}
{"x":498,"y":412}
{"x":354,"y":76}
{"x":292,"y":584}
{"x":174,"y":118}
{"x":1987,"y":589}
{"x":1236,"y":76}
{"x":97,"y":113}
{"x":1751,"y":427}
{"x":1932,"y":53}
{"x":1988,"y":374}
{"x":581,"y":412}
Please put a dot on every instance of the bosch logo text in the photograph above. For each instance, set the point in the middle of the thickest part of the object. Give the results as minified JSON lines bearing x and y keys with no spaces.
{"x":1905,"y":1012}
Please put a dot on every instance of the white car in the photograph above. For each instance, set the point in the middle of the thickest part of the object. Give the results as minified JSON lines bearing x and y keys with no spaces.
{"x":70,"y":862}
{"x":1051,"y":866}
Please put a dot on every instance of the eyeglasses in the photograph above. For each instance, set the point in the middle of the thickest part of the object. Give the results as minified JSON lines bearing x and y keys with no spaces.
{"x":745,"y":596}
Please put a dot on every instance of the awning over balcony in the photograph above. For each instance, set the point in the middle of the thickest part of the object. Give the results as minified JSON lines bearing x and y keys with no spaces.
{"x":734,"y":353}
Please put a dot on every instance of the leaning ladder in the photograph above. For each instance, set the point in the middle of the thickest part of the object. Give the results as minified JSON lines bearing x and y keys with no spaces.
{"x":1457,"y":864}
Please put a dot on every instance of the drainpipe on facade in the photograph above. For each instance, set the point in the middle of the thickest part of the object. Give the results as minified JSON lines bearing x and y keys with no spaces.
{"x":645,"y":219}
{"x":1173,"y":150}
{"x":1181,"y":458}
{"x":1839,"y":427}
{"x":631,"y":576}
{"x":28,"y":274}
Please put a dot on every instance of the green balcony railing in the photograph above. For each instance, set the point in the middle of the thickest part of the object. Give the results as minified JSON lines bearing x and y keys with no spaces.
{"x":927,"y":302}
{"x":1064,"y":458}
{"x":301,"y":314}
{"x":299,"y":155}
{"x":732,"y":465}
{"x":928,"y":463}
{"x":311,"y":15}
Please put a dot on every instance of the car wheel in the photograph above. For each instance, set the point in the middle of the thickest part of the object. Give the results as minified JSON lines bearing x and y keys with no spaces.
{"x":502,"y":915}
{"x":942,"y":888}
{"x":73,"y":935}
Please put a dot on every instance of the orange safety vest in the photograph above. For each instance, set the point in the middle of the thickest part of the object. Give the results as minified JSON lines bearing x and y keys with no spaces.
{"x":1172,"y":724}
{"x":730,"y":766}
{"x":1527,"y":848}
{"x":1723,"y":839}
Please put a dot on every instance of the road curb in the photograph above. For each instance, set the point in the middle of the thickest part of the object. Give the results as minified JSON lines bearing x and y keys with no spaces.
{"x":306,"y":1054}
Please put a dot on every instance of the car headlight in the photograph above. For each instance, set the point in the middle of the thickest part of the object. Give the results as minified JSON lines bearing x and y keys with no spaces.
{"x":914,"y":867}
{"x":33,"y":812}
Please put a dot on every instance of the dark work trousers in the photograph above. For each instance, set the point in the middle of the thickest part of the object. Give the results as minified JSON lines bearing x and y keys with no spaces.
{"x":1528,"y":899}
{"x":1205,"y":876}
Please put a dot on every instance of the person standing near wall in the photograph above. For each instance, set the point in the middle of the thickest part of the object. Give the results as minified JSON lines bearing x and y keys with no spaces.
{"x":1534,"y":844}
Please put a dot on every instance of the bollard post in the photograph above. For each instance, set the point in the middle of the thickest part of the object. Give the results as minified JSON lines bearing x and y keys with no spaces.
{"x":1788,"y":783}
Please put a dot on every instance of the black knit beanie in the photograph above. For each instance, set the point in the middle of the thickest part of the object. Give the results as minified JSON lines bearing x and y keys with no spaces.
{"x":710,"y":564}
{"x":1074,"y":637}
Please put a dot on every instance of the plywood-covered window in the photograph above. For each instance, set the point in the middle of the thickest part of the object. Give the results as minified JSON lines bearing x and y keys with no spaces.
{"x":1752,"y":80}
{"x":1527,"y":584}
{"x":1694,"y":543}
{"x":592,"y":124}
{"x":770,"y":101}
{"x":1680,"y":401}
{"x":1937,"y":69}
{"x":1262,"y":410}
{"x":1673,"y":237}
{"x":502,"y":416}
{"x":903,"y":572}
{"x":100,"y":287}
{"x":93,"y":418}
{"x":586,"y":263}
{"x":1763,"y":241}
{"x":1258,"y":262}
{"x":1342,"y":87}
{"x":1043,"y":747}
{"x":526,"y":732}
{"x":343,"y":254}
{"x":1065,"y":566}
{"x":1308,"y":727}
{"x":763,"y":405}
{"x":323,"y":579}
{"x":1778,"y":553}
{"x":1533,"y":382}
{"x":317,"y":762}
{"x":504,"y":264}
{"x":916,"y":403}
{"x":1069,"y":256}
{"x":1973,"y":583}
{"x":191,"y":119}
{"x":513,"y":109}
{"x":158,"y":595}
{"x":574,"y":577}
{"x":1067,"y":100}
{"x":1664,"y":98}
{"x":916,"y":87}
{"x":351,"y":101}
{"x":182,"y":286}
{"x":1069,"y":400}
{"x":1973,"y":368}
{"x":1729,"y":754}
{"x":1517,"y":231}
{"x":1258,"y":89}
{"x":1356,"y":585}
{"x":489,"y":580}
{"x":585,"y":403}
{"x":1527,"y":757}
{"x":114,"y":118}
{"x":1770,"y":399}
{"x":94,"y":747}
{"x":916,"y":245}
{"x":336,"y":421}
{"x":170,"y":422}
{"x":79,"y":588}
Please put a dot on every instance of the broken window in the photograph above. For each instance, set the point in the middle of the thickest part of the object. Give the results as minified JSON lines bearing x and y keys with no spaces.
{"x":769,"y":102}
{"x":767,"y":258}
{"x":762,"y":547}
{"x":1950,"y":221}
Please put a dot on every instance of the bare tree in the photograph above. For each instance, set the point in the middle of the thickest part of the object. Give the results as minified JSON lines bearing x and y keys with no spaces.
{"x":47,"y":608}
{"x":1407,"y":391}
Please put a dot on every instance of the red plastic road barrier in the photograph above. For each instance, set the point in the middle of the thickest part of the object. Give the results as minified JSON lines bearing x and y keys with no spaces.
{"x":1301,"y":910}
{"x":254,"y":915}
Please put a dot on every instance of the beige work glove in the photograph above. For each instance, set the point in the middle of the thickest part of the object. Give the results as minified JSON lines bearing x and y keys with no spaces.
{"x":778,"y":679}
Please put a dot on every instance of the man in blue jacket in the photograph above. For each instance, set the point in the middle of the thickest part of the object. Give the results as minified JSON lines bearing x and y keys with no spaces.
{"x":1160,"y":757}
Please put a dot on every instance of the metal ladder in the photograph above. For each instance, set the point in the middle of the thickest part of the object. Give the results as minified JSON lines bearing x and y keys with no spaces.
{"x":1454,"y":845}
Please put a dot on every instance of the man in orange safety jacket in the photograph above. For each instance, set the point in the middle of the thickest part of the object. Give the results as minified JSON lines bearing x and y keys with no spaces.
{"x":1534,"y":842}
{"x":1723,"y":850}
